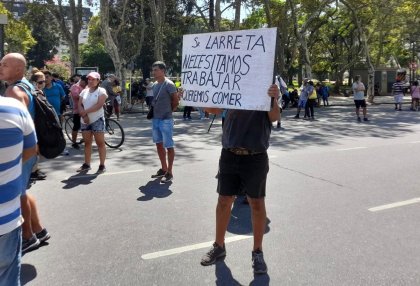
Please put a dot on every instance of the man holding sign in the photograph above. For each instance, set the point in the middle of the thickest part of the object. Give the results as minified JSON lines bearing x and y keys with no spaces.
{"x":219,"y":71}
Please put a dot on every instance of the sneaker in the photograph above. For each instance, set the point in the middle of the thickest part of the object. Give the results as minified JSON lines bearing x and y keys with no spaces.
{"x":166,"y":178}
{"x":38,"y":175}
{"x":278,"y":124}
{"x":85,"y":167}
{"x":159,"y":174}
{"x":365,"y":119}
{"x":358,"y":119}
{"x":101,"y":169}
{"x":213,"y":254}
{"x":43,"y":235}
{"x":75,"y":146}
{"x":258,"y":262}
{"x":30,"y":244}
{"x":297,"y":117}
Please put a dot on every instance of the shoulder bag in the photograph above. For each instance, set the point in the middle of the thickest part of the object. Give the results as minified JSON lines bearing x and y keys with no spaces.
{"x":150,"y":113}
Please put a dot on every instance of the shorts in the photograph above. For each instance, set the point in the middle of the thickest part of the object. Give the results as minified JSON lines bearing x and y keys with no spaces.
{"x":302,"y":102}
{"x":76,"y":122}
{"x":97,"y":126}
{"x":398,"y":98}
{"x":10,"y":257}
{"x":26,"y":172}
{"x":360,"y":103}
{"x":240,"y":174}
{"x":162,"y":131}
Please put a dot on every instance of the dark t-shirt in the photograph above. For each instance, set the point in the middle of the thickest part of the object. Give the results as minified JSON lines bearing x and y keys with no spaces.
{"x":246,"y":129}
{"x":162,"y":107}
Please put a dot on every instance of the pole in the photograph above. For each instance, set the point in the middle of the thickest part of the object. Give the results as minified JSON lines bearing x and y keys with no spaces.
{"x":1,"y":40}
{"x":211,"y":123}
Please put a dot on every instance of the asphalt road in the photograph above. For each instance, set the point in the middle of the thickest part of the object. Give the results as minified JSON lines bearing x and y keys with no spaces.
{"x":343,"y":205}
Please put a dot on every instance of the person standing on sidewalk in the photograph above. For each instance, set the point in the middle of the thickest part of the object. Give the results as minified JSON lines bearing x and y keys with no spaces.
{"x":75,"y":91}
{"x":92,"y":119}
{"x":17,"y":145}
{"x":303,"y":98}
{"x":398,"y":90}
{"x":243,"y":168}
{"x":165,"y":101}
{"x":359,"y":97}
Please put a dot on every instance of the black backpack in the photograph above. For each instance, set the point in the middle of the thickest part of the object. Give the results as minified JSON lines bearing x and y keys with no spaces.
{"x":51,"y":141}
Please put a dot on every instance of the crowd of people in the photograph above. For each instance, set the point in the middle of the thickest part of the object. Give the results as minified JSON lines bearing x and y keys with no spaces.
{"x":243,"y":164}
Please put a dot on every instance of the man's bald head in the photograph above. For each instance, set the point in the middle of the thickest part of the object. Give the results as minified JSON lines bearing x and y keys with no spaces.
{"x":12,"y":67}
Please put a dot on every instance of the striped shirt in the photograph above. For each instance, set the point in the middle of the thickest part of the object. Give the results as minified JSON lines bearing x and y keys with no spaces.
{"x":17,"y":133}
{"x":398,"y":88}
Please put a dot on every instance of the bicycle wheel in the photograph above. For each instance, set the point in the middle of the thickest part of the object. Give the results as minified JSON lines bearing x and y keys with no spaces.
{"x":68,"y":127}
{"x":114,"y":133}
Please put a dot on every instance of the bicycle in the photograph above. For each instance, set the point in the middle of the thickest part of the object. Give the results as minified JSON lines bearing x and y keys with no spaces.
{"x":114,"y":133}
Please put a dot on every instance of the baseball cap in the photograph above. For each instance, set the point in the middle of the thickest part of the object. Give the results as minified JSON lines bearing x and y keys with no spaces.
{"x":94,"y":75}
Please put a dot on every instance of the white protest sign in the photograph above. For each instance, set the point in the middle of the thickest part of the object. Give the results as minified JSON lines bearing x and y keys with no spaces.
{"x":231,"y":69}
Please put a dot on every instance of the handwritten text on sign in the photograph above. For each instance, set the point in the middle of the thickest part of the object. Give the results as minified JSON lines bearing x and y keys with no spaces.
{"x":228,"y":69}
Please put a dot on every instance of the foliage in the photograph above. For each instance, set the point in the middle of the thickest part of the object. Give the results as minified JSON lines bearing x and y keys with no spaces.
{"x":17,"y":33}
{"x":44,"y":32}
{"x":56,"y":65}
{"x":93,"y":53}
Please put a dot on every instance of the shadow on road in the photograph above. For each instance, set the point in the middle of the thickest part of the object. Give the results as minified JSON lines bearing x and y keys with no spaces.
{"x":27,"y":273}
{"x":224,"y":275}
{"x":260,"y":280}
{"x":154,"y":189}
{"x":78,"y":179}
{"x":240,"y":218}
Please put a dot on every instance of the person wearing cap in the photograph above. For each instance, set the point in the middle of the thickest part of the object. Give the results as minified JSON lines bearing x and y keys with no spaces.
{"x":91,"y":101}
{"x":149,"y":91}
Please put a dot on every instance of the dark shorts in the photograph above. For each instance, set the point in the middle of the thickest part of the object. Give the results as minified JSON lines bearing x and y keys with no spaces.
{"x":360,"y":103}
{"x":76,"y":122}
{"x":239,"y":174}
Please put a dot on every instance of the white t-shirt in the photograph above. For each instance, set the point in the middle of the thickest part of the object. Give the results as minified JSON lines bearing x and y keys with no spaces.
{"x":90,"y":99}
{"x":358,"y":90}
{"x":149,"y":89}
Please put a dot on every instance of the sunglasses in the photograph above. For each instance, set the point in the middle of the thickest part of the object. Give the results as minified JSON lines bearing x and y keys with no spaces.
{"x":40,"y":82}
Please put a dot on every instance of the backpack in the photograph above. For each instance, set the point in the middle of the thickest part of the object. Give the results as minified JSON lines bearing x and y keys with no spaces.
{"x":51,"y":141}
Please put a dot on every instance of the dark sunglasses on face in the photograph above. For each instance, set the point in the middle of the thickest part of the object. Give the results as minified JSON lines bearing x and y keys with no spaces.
{"x":40,"y":82}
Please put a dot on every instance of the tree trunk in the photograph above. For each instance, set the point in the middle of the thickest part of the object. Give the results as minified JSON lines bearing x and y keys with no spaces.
{"x":111,"y":47}
{"x":268,"y":13}
{"x":237,"y":15}
{"x":157,"y":8}
{"x":211,"y":15}
{"x":217,"y":16}
{"x":365,"y":45}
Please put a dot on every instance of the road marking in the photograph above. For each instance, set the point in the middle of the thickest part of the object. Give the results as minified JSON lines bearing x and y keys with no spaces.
{"x":414,"y":142}
{"x":104,"y":174}
{"x":354,"y":148}
{"x":191,"y":247}
{"x":395,"y":205}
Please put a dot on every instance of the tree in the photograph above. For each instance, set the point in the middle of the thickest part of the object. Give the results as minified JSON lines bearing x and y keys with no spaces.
{"x":157,"y":9}
{"x":44,"y":32}
{"x":69,"y":29}
{"x":17,"y":34}
{"x":93,"y":53}
{"x":122,"y":26}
